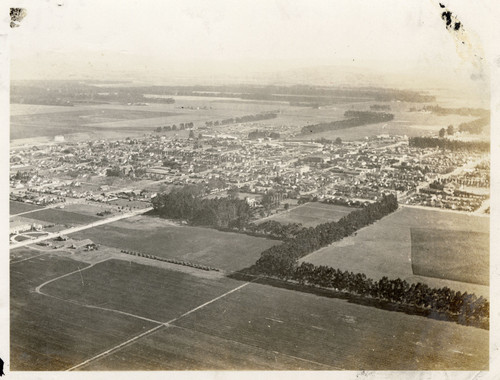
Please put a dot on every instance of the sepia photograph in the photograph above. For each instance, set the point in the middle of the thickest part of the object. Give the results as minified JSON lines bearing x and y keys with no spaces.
{"x":221,"y":185}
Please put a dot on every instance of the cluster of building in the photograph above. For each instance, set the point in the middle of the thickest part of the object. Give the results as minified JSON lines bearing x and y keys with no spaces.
{"x":344,"y":172}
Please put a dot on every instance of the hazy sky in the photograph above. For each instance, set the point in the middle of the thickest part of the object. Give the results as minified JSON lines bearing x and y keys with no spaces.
{"x":242,"y":38}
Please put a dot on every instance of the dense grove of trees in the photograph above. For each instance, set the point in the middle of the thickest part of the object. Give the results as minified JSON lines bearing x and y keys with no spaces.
{"x":276,"y":229}
{"x":187,"y":204}
{"x":281,"y":260}
{"x":243,"y":119}
{"x":475,"y":126}
{"x":442,"y":111}
{"x":254,"y":135}
{"x":464,"y":308}
{"x":380,"y":107}
{"x":355,"y":119}
{"x":431,"y":142}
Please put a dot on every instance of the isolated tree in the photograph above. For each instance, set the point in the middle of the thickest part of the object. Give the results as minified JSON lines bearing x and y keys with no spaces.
{"x":338,"y":141}
{"x":450,"y":130}
{"x":287,"y":206}
{"x":442,"y":132}
{"x":191,"y":134}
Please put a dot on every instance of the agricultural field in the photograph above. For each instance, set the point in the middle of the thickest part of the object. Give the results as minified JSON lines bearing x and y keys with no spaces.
{"x":58,"y":216}
{"x":307,"y":331}
{"x":453,"y":255}
{"x":385,"y":248}
{"x":90,"y":209}
{"x":20,"y":254}
{"x":405,"y":123}
{"x":19,"y":207}
{"x":50,"y":334}
{"x":224,"y":250}
{"x":130,"y":287}
{"x":311,"y":214}
{"x":78,"y":119}
{"x":173,"y":348}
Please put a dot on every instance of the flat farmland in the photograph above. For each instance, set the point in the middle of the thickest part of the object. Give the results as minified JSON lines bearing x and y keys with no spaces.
{"x":404,"y":123}
{"x":311,"y":332}
{"x":453,"y":255}
{"x":23,"y":254}
{"x":224,"y":250}
{"x":58,"y":216}
{"x":90,"y":209}
{"x":385,"y":247}
{"x":173,"y":349}
{"x":19,"y":207}
{"x":50,"y":334}
{"x":311,"y":214}
{"x":155,"y":293}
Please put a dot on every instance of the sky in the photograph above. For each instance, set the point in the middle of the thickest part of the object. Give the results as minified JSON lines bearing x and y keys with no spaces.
{"x":190,"y":41}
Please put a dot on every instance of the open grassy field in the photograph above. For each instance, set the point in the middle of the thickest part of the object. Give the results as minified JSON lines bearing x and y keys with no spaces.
{"x":174,"y":349}
{"x":76,"y":120}
{"x":90,"y":209}
{"x":248,"y":327}
{"x":23,"y":254}
{"x":57,"y":216}
{"x":50,"y":334}
{"x":385,"y":248}
{"x":18,"y":207}
{"x":453,"y":255}
{"x":224,"y":250}
{"x":404,"y":123}
{"x":311,"y":214}
{"x":148,"y":291}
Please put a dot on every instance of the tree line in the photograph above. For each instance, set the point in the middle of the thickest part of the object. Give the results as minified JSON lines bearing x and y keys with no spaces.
{"x":167,"y":128}
{"x":281,"y":260}
{"x":475,"y":126}
{"x":453,"y":145}
{"x":463,"y":308}
{"x":355,"y":119}
{"x":243,"y":119}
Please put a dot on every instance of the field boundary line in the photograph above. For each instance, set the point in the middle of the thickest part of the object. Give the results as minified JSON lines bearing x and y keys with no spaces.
{"x":134,"y":338}
{"x":207,"y":303}
{"x":37,"y":289}
{"x":73,"y":302}
{"x":260,"y":348}
{"x":29,"y":258}
{"x":165,"y":324}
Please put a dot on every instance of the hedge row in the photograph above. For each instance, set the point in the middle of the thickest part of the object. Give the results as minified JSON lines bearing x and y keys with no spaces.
{"x":172,"y":261}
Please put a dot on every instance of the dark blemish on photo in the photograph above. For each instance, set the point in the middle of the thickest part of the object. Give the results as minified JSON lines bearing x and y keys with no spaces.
{"x":16,"y":15}
{"x":451,"y":21}
{"x":446,"y":16}
{"x":441,"y":5}
{"x":1,"y":368}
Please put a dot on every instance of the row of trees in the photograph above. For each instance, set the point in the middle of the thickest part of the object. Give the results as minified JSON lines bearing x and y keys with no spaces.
{"x":431,"y":142}
{"x":187,"y":204}
{"x":281,"y":260}
{"x":443,"y":111}
{"x":243,"y":119}
{"x":182,"y":126}
{"x":465,"y":308}
{"x":276,"y":229}
{"x":355,"y":119}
